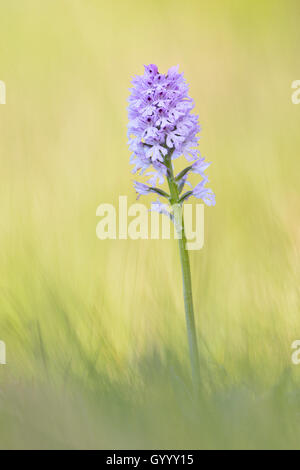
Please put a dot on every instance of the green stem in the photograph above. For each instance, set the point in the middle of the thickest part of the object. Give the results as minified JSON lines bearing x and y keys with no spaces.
{"x":189,"y":310}
{"x":186,"y":279}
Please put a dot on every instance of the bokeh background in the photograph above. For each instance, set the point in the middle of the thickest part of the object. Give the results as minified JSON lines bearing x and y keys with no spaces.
{"x":95,"y":330}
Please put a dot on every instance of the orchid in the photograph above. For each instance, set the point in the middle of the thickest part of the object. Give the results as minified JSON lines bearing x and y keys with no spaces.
{"x":162,"y":128}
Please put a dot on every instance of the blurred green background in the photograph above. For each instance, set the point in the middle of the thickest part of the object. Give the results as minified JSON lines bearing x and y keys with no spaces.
{"x":95,"y":330}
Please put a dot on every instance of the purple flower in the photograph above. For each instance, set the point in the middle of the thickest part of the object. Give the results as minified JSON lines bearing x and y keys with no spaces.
{"x":206,"y":194}
{"x":161,"y":208}
{"x":162,"y":127}
{"x":156,"y":152}
{"x":155,"y":176}
{"x":200,"y":166}
{"x":141,"y":188}
{"x":160,"y":116}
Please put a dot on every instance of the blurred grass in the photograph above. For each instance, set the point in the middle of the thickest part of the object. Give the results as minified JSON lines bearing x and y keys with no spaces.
{"x":95,"y":332}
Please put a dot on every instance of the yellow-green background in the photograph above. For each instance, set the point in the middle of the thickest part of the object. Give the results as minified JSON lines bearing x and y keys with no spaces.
{"x":95,"y":331}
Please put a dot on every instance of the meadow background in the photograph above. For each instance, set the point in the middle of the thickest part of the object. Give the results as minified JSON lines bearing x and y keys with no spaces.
{"x":95,"y":330}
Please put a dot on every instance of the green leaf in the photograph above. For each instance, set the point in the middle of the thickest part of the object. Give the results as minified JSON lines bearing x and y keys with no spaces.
{"x":181,"y":186}
{"x":160,"y":192}
{"x":185,"y":195}
{"x":183,"y":173}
